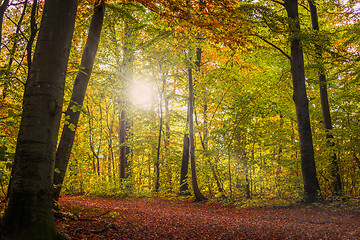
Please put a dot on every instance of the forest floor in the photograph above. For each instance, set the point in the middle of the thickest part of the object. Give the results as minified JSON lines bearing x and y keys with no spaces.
{"x":154,"y":218}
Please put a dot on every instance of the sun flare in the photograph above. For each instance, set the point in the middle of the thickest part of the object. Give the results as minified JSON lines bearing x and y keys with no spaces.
{"x":142,"y":94}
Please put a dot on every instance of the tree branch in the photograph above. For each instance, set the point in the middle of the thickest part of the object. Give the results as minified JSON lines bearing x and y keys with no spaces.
{"x":302,"y":5}
{"x":278,"y":2}
{"x":274,"y":46}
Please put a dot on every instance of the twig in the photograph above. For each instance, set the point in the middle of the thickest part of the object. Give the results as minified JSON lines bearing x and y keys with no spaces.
{"x":78,"y":218}
{"x":101,"y":214}
{"x":110,"y":225}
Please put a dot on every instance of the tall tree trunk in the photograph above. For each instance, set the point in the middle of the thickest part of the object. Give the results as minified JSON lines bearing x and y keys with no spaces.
{"x":124,"y":125}
{"x":3,"y":8}
{"x":167,"y":123}
{"x":247,"y":181}
{"x":197,"y":192}
{"x":110,"y":153}
{"x":92,"y":147}
{"x":311,"y":184}
{"x":184,"y":187}
{"x":336,"y":179}
{"x":29,"y":213}
{"x":203,"y":138}
{"x":169,"y":173}
{"x":229,"y":172}
{"x":77,"y":98}
{"x":122,"y":138}
{"x":157,"y":161}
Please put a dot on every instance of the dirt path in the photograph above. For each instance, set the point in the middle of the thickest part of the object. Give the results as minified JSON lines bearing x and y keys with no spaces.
{"x":99,"y":218}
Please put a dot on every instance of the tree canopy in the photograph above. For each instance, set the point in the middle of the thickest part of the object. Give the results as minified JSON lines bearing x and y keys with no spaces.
{"x":259,"y":128}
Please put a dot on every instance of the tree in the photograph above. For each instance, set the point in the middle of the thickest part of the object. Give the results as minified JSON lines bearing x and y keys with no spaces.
{"x":127,"y":77}
{"x":29,"y":212}
{"x":161,"y":119}
{"x":336,"y":180}
{"x":3,"y":8}
{"x":74,"y":108}
{"x":184,"y":188}
{"x":311,"y":184}
{"x":198,"y":195}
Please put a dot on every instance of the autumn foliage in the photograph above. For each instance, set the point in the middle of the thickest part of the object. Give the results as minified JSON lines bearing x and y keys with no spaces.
{"x":238,"y":59}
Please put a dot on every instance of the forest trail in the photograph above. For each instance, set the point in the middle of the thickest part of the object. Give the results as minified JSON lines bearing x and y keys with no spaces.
{"x":144,"y":218}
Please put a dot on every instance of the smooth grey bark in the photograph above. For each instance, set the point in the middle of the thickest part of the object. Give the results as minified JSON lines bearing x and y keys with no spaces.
{"x":335,"y":174}
{"x":29,"y":213}
{"x":73,"y":110}
{"x":310,"y":181}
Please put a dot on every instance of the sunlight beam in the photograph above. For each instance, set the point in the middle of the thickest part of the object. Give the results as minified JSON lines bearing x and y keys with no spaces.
{"x":142,"y":94}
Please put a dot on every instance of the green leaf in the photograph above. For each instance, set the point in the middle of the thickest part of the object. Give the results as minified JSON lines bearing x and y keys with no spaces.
{"x":72,"y":127}
{"x":76,"y":107}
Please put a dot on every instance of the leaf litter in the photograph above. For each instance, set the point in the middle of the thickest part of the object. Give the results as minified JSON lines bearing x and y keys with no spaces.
{"x":149,"y":218}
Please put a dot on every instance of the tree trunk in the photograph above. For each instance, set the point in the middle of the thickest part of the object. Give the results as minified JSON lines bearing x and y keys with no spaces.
{"x":157,"y":161}
{"x":127,"y":65}
{"x":72,"y":113}
{"x":197,"y":193}
{"x":110,"y":152}
{"x":122,"y":153}
{"x":3,"y":8}
{"x":184,"y":188}
{"x":311,"y":184}
{"x":229,"y":172}
{"x":247,"y":183}
{"x":29,"y":213}
{"x":336,"y":179}
{"x":92,"y":147}
{"x":167,"y":124}
{"x":203,"y":138}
